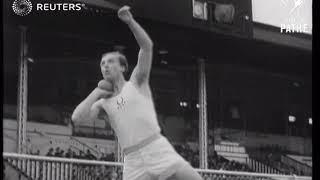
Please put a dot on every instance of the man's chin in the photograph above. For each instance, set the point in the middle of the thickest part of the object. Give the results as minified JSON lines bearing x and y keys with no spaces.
{"x":107,"y":78}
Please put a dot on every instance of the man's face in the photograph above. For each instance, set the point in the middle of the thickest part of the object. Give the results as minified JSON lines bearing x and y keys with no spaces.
{"x":110,"y":67}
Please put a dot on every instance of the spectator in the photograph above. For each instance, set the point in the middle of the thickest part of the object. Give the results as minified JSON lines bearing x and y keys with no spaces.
{"x":57,"y":152}
{"x":50,"y":152}
{"x":90,"y":156}
{"x":103,"y":157}
{"x":29,"y":146}
{"x":61,"y":154}
{"x":206,"y":177}
{"x":81,"y":155}
{"x":74,"y":154}
{"x":113,"y":175}
{"x":111,"y":157}
{"x":69,"y":153}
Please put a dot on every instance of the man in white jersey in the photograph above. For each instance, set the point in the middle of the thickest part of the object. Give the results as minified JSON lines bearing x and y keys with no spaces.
{"x":131,"y":113}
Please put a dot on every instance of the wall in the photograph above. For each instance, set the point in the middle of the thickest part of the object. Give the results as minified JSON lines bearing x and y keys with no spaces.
{"x":41,"y":113}
{"x":9,"y":141}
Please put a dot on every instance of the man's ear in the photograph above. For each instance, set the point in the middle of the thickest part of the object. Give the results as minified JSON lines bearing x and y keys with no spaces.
{"x":123,"y":69}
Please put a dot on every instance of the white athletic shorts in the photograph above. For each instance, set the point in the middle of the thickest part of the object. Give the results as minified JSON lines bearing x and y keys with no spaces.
{"x":156,"y":161}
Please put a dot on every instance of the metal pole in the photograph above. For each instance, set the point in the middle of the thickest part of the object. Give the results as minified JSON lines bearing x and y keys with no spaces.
{"x":120,"y":157}
{"x":203,"y":152}
{"x":119,"y":151}
{"x":22,"y":93}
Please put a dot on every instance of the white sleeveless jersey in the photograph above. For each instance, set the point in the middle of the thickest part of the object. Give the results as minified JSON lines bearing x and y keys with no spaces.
{"x":131,"y":115}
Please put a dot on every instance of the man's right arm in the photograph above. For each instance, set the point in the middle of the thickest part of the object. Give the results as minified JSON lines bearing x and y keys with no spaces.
{"x":89,"y":108}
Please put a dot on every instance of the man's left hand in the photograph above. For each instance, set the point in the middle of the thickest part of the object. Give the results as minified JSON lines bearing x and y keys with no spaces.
{"x":125,"y":15}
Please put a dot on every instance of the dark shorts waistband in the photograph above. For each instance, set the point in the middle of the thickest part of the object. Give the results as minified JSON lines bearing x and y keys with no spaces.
{"x":141,"y":144}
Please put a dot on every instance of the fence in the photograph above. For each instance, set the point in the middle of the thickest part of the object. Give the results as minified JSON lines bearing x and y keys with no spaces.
{"x":53,"y":168}
{"x":261,"y":168}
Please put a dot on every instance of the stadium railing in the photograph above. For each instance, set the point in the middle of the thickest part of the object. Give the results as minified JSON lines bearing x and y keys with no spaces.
{"x":54,"y":168}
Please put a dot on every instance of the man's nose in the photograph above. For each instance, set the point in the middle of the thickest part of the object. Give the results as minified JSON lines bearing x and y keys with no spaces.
{"x":106,"y":66}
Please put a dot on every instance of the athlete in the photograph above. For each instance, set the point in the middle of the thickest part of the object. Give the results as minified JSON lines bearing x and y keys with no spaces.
{"x":129,"y":108}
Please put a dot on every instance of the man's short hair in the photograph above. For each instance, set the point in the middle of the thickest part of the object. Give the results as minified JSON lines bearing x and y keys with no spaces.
{"x":122,"y":60}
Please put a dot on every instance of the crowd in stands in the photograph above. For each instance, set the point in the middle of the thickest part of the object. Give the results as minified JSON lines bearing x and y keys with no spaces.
{"x":99,"y":173}
{"x":57,"y":152}
{"x":214,"y":160}
{"x":108,"y":173}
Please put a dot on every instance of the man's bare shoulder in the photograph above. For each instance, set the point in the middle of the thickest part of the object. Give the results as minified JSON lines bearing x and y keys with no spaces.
{"x":144,"y":88}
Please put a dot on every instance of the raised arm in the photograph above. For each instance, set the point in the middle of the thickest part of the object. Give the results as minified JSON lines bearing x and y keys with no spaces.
{"x":142,"y":70}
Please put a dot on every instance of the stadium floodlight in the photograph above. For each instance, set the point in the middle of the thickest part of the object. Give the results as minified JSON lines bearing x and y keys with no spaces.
{"x":185,"y":104}
{"x":292,"y":118}
{"x":181,"y":104}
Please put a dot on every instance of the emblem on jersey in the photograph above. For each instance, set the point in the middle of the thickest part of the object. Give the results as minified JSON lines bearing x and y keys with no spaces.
{"x":120,"y":103}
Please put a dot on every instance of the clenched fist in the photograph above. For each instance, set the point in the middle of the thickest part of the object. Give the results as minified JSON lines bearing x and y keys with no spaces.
{"x":125,"y":15}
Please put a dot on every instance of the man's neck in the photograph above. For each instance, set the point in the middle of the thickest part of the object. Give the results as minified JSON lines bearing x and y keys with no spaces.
{"x":118,"y":85}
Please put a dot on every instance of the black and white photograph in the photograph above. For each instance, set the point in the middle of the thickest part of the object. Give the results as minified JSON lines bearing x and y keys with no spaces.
{"x":157,"y":90}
